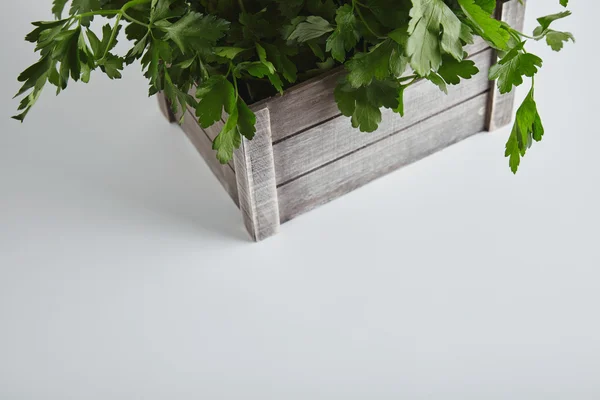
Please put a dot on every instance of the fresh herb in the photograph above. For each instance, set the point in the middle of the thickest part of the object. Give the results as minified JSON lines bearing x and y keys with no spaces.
{"x":218,"y":56}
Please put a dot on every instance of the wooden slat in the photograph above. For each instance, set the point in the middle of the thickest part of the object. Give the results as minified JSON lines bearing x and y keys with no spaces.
{"x":336,"y":138}
{"x":501,"y":106}
{"x":224,"y":173}
{"x":255,"y":173}
{"x":382,"y":157}
{"x":311,"y":102}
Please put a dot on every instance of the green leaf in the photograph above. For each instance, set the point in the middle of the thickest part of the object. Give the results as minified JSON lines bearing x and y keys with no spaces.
{"x":400,"y":99}
{"x":452,"y":70}
{"x":246,"y":120}
{"x":177,"y":97}
{"x":363,"y":104}
{"x":489,"y":6}
{"x":546,"y":21}
{"x":526,"y":129}
{"x":433,"y":28}
{"x":84,"y":6}
{"x":196,"y":31}
{"x":278,"y":54}
{"x":485,"y":25}
{"x":564,"y":3}
{"x":311,"y":28}
{"x":437,"y":80}
{"x":42,"y":27}
{"x":112,"y":66}
{"x":58,"y":7}
{"x":259,"y":70}
{"x":509,"y":71}
{"x":346,"y":34}
{"x":378,"y":63}
{"x":33,"y":74}
{"x":228,"y":52}
{"x":229,"y":139}
{"x":556,"y":39}
{"x":214,"y":95}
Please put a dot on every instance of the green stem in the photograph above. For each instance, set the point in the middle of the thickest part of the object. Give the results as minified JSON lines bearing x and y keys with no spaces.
{"x":131,"y":19}
{"x":113,"y":35}
{"x":121,"y":12}
{"x":527,"y":36}
{"x":242,"y":6}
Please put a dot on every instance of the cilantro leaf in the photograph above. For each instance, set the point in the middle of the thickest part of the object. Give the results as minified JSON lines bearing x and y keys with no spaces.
{"x":433,"y":27}
{"x":509,"y":71}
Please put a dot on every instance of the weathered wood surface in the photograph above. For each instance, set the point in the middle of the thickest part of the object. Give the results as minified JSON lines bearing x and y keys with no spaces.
{"x":224,"y":173}
{"x":255,"y":172}
{"x":386,"y":155}
{"x":501,"y":106}
{"x":335,"y":138}
{"x":311,"y":103}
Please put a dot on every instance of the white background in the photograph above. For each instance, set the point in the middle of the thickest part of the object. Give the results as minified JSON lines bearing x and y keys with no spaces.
{"x":125,"y":271}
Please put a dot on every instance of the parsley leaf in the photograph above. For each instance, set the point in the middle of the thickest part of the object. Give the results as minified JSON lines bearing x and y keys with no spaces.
{"x":433,"y":27}
{"x":485,"y":25}
{"x":214,"y":94}
{"x":378,"y":63}
{"x":452,"y":70}
{"x":509,"y":71}
{"x":346,"y":34}
{"x":196,"y":31}
{"x":311,"y":27}
{"x":527,"y":128}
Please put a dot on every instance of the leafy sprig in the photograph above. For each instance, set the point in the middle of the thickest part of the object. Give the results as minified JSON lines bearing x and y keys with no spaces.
{"x":215,"y":57}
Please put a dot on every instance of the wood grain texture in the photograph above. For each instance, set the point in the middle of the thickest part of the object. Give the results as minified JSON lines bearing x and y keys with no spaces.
{"x":386,"y":155}
{"x":501,"y":106}
{"x":199,"y":138}
{"x":255,"y":173}
{"x":312,"y":102}
{"x":336,"y":138}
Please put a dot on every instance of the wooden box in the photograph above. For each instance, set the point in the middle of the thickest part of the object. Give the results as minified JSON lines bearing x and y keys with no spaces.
{"x":305,"y":153}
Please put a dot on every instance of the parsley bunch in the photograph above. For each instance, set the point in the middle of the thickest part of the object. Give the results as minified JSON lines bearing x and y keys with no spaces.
{"x":219,"y":56}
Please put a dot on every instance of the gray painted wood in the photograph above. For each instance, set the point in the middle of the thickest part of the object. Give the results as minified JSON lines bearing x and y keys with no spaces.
{"x":334,"y":139}
{"x":311,"y":102}
{"x":200,"y":139}
{"x":255,"y":172}
{"x":501,"y":106}
{"x":382,"y":157}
